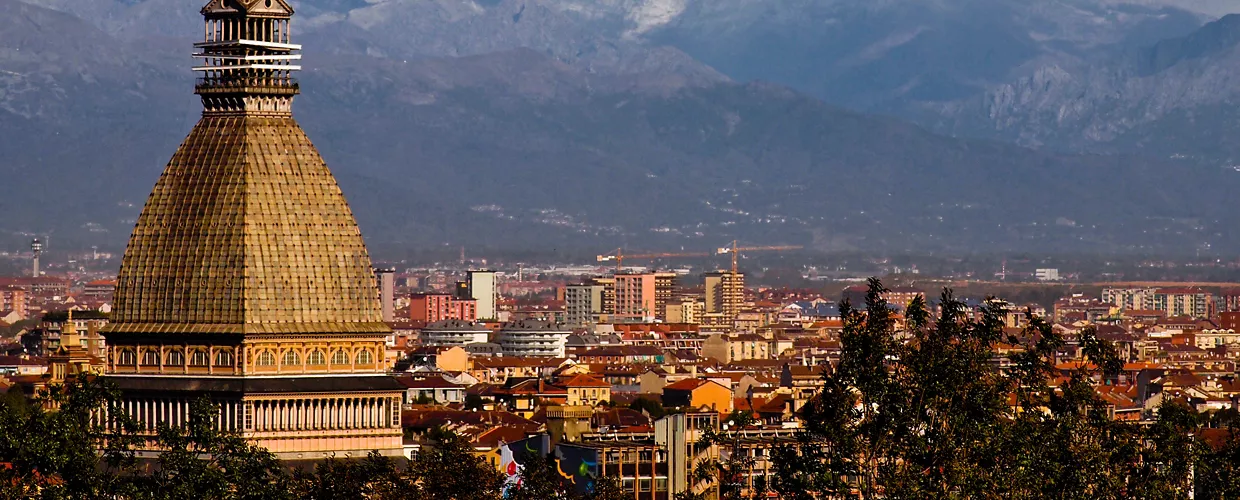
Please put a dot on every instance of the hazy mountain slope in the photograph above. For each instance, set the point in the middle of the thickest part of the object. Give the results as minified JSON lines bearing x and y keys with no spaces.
{"x":1177,"y":97}
{"x":525,"y":150}
{"x":864,"y":54}
{"x":887,"y":55}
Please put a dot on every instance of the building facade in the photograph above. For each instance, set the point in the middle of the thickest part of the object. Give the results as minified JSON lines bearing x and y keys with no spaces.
{"x":725,"y":293}
{"x":435,"y":307}
{"x":482,"y":290}
{"x":635,"y":297}
{"x":534,"y":338}
{"x":246,"y":279}
{"x":583,"y":304}
{"x":454,"y":332}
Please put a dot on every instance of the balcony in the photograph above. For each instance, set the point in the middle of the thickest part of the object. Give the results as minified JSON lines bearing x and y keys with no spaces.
{"x":278,"y":85}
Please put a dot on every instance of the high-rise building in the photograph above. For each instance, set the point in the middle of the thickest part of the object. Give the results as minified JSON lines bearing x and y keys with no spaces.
{"x":583,"y":304}
{"x":15,"y":299}
{"x":482,"y":289}
{"x":1138,"y":298}
{"x":642,"y":296}
{"x":246,"y":278}
{"x":386,"y":279}
{"x":634,"y":297}
{"x":1191,"y":302}
{"x":725,"y":293}
{"x":432,"y":307}
{"x":664,"y":288}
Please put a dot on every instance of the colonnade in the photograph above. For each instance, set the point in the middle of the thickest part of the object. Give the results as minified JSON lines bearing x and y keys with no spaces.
{"x":272,"y":415}
{"x":176,"y":412}
{"x":322,"y":414}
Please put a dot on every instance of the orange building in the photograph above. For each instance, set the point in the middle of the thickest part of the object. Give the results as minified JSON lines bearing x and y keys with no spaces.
{"x":698,"y":393}
{"x":13,"y":298}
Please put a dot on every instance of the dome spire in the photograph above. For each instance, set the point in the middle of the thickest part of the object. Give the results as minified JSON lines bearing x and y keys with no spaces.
{"x":248,"y":58}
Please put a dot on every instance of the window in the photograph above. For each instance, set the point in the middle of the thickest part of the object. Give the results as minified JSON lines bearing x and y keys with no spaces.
{"x":198,"y":357}
{"x":150,"y":357}
{"x":290,"y":358}
{"x":364,"y":357}
{"x":340,"y":357}
{"x":224,"y":358}
{"x":126,"y":357}
{"x":316,"y":357}
{"x":266,"y":358}
{"x":175,"y":357}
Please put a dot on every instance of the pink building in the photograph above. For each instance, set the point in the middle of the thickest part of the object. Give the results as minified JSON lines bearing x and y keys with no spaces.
{"x":635,"y":297}
{"x":432,"y":307}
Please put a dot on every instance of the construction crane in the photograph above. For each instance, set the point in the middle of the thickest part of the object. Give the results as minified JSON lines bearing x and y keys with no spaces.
{"x":620,"y":256}
{"x":736,"y":251}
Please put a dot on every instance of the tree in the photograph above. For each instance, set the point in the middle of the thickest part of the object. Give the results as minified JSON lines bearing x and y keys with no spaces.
{"x":1218,"y":469}
{"x":607,"y":488}
{"x":919,"y":411}
{"x":201,"y":461}
{"x":64,"y":452}
{"x":540,"y":481}
{"x":374,"y":477}
{"x":447,"y":470}
{"x":729,"y":472}
{"x":650,"y":406}
{"x":474,"y":402}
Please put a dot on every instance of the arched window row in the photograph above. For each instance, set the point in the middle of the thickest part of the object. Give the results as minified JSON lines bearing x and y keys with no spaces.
{"x":199,"y":357}
{"x":314,"y":357}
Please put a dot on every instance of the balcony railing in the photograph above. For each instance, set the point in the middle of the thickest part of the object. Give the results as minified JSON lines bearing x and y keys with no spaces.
{"x":255,"y":84}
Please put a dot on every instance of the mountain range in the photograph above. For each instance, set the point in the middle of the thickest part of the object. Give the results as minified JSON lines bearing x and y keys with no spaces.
{"x":890,"y":125}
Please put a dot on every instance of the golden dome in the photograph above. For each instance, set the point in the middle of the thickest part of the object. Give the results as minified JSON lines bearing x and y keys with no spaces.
{"x":246,"y":232}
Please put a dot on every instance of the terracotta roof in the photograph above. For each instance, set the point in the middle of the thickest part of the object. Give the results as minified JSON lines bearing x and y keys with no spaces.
{"x":583,"y":380}
{"x":688,"y":384}
{"x":427,"y":383}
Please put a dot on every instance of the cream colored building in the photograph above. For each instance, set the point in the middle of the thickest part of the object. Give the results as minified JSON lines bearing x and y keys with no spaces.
{"x":725,"y":293}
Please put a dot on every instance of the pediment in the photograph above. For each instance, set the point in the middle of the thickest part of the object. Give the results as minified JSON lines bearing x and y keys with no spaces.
{"x":254,"y":7}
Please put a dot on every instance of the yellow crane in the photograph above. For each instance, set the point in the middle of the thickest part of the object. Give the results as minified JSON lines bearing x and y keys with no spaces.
{"x":618,"y":255}
{"x":736,"y":251}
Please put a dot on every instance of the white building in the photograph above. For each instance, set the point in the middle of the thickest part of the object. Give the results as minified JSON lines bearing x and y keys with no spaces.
{"x":1046,"y":274}
{"x":454,"y":332}
{"x":482,"y":289}
{"x":529,"y":337}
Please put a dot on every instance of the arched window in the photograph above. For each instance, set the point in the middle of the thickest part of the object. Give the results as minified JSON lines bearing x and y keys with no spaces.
{"x":126,"y":357}
{"x":316,"y":357}
{"x":224,"y":358}
{"x":340,"y":357}
{"x":150,"y":357}
{"x":199,"y":357}
{"x":290,"y":358}
{"x":364,"y":357}
{"x":175,"y":357}
{"x":265,"y":358}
